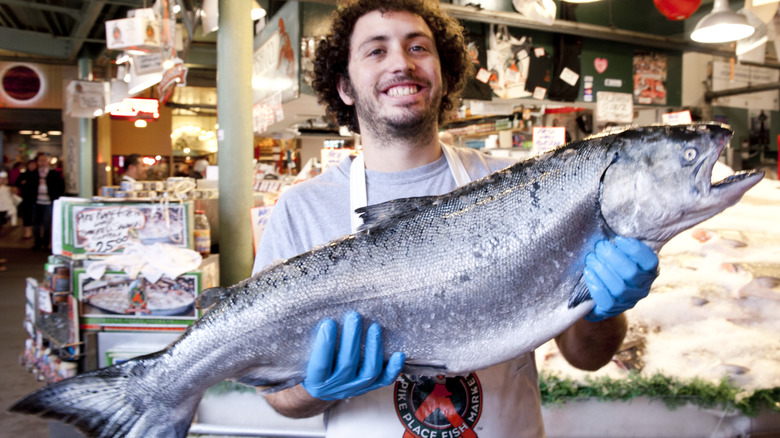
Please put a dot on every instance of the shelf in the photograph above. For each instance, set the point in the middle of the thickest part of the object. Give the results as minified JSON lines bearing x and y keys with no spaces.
{"x":487,"y":133}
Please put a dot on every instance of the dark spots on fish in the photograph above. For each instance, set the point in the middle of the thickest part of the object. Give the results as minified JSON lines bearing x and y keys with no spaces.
{"x":464,"y":277}
{"x":535,"y":194}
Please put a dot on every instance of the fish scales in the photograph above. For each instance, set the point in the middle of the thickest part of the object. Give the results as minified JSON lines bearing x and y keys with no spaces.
{"x":458,"y":282}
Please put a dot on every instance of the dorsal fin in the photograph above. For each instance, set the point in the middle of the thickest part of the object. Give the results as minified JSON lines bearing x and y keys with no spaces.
{"x":379,"y":216}
{"x":209,"y":297}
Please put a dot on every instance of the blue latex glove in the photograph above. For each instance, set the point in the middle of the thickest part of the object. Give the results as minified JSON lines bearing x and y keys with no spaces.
{"x":618,"y":275}
{"x":328,"y":381}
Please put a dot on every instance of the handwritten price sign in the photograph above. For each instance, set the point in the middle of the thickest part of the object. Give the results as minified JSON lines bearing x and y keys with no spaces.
{"x":546,"y":138}
{"x":106,"y":229}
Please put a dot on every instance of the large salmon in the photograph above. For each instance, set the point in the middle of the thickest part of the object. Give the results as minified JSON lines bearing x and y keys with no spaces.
{"x":459,"y":282}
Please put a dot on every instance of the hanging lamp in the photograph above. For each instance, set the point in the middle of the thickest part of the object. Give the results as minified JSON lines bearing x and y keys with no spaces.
{"x":721,"y":25}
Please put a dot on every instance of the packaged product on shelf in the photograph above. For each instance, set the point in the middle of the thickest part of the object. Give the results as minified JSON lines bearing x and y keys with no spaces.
{"x":202,"y":233}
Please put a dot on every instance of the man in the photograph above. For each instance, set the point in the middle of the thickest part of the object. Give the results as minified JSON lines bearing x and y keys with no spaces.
{"x":390,"y":70}
{"x":41,"y":187}
{"x":134,"y":169}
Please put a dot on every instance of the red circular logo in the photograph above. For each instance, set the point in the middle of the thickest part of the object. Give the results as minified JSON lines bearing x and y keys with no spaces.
{"x":21,"y":83}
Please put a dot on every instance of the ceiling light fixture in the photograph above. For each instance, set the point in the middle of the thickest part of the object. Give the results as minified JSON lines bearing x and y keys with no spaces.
{"x":721,"y":25}
{"x":257,"y":11}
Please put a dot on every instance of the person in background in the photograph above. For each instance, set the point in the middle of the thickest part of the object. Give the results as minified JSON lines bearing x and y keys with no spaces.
{"x":42,"y":187}
{"x":7,"y":205}
{"x":13,"y":174}
{"x":182,"y":169}
{"x":199,"y":169}
{"x":29,"y":195}
{"x":134,"y":169}
{"x":391,"y":70}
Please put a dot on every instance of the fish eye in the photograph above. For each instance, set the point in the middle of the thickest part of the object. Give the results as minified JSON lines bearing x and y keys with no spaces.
{"x":690,"y":154}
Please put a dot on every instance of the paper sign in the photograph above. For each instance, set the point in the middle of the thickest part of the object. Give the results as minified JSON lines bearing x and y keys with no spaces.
{"x":332,"y":157}
{"x":106,"y":229}
{"x":614,"y":107}
{"x":616,"y":83}
{"x":483,"y":75}
{"x":260,"y":216}
{"x":569,"y":76}
{"x":678,"y":118}
{"x":539,"y":93}
{"x":539,"y":52}
{"x":546,"y":138}
{"x":44,"y":300}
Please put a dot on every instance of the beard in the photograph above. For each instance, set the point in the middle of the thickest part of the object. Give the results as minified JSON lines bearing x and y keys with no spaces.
{"x":412,"y":125}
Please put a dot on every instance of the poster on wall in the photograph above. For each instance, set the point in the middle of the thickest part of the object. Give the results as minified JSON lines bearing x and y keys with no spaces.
{"x":650,"y":78}
{"x":275,"y":62}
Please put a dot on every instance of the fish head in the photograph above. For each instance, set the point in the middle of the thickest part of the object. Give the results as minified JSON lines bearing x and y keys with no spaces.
{"x":660,"y":180}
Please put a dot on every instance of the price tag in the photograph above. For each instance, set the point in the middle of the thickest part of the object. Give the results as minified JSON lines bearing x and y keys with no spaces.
{"x":483,"y":75}
{"x":569,"y":76}
{"x":548,"y":137}
{"x":539,"y":93}
{"x":106,"y":229}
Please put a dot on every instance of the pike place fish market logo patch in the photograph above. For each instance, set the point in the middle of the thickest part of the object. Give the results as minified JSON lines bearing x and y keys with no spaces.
{"x":438,"y":407}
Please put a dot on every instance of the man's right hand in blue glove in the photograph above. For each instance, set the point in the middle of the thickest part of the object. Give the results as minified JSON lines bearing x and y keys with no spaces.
{"x":327,"y":380}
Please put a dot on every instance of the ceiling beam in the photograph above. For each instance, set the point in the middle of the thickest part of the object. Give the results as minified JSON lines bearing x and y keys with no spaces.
{"x":35,"y":43}
{"x":74,"y":13}
{"x":515,"y":19}
{"x":90,"y":14}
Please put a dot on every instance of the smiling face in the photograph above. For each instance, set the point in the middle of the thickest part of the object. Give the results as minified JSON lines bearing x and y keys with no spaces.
{"x":395,"y":80}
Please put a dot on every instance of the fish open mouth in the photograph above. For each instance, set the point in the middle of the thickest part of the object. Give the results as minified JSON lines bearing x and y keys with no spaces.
{"x":731,"y":188}
{"x":734,"y":186}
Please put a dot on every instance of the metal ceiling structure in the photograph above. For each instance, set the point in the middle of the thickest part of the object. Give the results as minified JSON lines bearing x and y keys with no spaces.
{"x":58,"y":31}
{"x":61,"y":31}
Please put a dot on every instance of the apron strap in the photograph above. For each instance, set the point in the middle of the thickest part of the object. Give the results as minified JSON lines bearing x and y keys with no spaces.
{"x":358,"y":196}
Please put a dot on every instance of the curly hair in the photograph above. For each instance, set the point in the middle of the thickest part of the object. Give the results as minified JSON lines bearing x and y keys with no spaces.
{"x":332,"y":55}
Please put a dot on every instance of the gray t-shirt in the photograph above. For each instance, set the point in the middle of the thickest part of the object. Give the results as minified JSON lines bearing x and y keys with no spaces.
{"x":317,"y":211}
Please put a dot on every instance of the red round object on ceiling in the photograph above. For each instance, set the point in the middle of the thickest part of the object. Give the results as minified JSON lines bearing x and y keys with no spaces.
{"x":677,"y":9}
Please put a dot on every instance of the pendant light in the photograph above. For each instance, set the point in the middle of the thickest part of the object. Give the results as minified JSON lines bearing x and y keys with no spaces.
{"x":721,"y":25}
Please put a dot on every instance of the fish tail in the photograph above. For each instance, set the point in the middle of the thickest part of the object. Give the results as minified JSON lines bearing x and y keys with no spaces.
{"x":104,"y":403}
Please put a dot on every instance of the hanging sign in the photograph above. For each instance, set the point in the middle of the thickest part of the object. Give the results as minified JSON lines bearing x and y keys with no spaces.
{"x":86,"y":99}
{"x":134,"y":107}
{"x":137,"y":33}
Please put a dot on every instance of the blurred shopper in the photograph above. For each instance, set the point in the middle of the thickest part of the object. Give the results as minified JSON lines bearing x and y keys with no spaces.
{"x":29,"y":195}
{"x":134,"y":169}
{"x":41,"y":188}
{"x":199,"y":169}
{"x":7,"y":202}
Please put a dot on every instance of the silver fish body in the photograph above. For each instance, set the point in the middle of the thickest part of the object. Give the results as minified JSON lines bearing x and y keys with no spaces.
{"x":458,"y":282}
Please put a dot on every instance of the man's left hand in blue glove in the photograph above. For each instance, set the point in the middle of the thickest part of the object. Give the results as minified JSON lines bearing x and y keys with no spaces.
{"x":618,"y":275}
